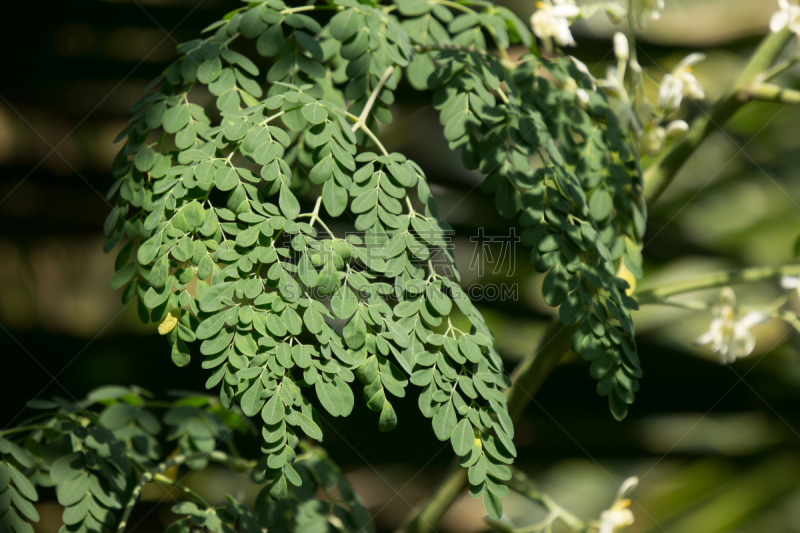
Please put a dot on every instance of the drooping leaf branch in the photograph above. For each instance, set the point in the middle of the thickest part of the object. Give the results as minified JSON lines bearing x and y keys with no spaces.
{"x":526,"y":380}
{"x":100,"y":453}
{"x":224,"y":257}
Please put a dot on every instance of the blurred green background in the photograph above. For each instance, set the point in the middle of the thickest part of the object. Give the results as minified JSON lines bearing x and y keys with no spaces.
{"x":717,"y":447}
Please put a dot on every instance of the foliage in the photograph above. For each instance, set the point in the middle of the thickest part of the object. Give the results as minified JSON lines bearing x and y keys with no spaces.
{"x":265,"y":131}
{"x":91,"y":452}
{"x":220,"y":250}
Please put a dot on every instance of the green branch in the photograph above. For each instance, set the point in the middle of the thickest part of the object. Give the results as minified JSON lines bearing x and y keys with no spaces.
{"x":529,"y":375}
{"x":663,"y":171}
{"x":656,"y":295}
{"x":779,"y":68}
{"x":769,"y":92}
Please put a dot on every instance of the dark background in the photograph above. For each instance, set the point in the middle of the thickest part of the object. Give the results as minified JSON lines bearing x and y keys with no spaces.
{"x":716,"y":446}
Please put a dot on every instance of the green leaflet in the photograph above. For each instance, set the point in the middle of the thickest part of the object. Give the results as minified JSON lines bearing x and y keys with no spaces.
{"x":463,"y":437}
{"x":18,"y":493}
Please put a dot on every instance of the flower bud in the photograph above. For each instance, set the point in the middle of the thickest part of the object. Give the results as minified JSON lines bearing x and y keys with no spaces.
{"x":582,"y":97}
{"x":676,"y":128}
{"x":621,"y":47}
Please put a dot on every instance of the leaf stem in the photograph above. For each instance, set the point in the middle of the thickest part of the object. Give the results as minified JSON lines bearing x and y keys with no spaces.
{"x":410,"y":206}
{"x":276,"y":115}
{"x":315,"y":218}
{"x":362,"y":119}
{"x":316,"y":211}
{"x":370,"y":134}
{"x":290,"y":10}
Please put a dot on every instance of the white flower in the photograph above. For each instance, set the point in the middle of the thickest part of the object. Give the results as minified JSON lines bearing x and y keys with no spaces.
{"x":788,"y":14}
{"x":619,"y":515}
{"x":731,"y":338}
{"x":791,"y":282}
{"x":551,"y":21}
{"x":676,"y":128}
{"x":681,"y":82}
{"x":621,"y":47}
{"x":616,"y":518}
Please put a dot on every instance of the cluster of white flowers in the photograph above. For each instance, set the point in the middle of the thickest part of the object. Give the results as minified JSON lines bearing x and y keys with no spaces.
{"x":618,"y":516}
{"x":730,"y":337}
{"x":551,"y":23}
{"x":645,"y":120}
{"x":788,"y":14}
{"x":675,"y":86}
